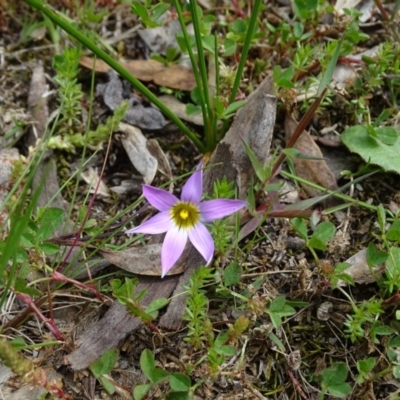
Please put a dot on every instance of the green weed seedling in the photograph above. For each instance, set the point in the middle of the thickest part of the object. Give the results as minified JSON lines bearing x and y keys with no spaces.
{"x":69,"y":91}
{"x":124,"y":293}
{"x":102,"y":367}
{"x":33,"y":247}
{"x":171,"y":57}
{"x":322,"y":233}
{"x":278,"y":309}
{"x":333,"y":381}
{"x":365,"y":368}
{"x":180,"y":384}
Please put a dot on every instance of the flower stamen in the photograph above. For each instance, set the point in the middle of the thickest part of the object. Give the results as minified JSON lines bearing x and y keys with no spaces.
{"x":185,"y":215}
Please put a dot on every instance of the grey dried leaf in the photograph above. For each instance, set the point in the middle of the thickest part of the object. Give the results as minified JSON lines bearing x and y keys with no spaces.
{"x":143,"y":260}
{"x":360,"y":270}
{"x":115,"y":91}
{"x":91,"y":177}
{"x":135,"y":145}
{"x":324,"y":311}
{"x":158,"y":153}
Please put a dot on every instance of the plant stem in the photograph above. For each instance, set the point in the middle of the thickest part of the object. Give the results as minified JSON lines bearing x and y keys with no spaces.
{"x":328,"y":191}
{"x":209,"y":134}
{"x":197,"y":74}
{"x":243,"y":57}
{"x":67,"y":27}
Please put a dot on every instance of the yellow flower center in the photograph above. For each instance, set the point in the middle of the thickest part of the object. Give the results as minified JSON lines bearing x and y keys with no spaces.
{"x":185,"y":215}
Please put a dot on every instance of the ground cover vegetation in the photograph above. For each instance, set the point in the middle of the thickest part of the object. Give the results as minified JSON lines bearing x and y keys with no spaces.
{"x":266,"y":133}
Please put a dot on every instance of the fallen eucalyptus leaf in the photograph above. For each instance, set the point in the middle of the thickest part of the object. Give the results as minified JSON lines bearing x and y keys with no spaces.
{"x":316,"y":171}
{"x":142,"y":260}
{"x":174,"y":76}
{"x":135,"y":145}
{"x":158,"y":153}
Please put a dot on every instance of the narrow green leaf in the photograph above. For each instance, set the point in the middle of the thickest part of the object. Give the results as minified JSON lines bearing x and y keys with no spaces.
{"x":258,"y":167}
{"x":232,"y":274}
{"x":327,"y":76}
{"x":156,"y":305}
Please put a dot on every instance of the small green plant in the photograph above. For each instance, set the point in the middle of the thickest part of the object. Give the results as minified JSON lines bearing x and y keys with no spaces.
{"x":322,"y":233}
{"x":333,"y":381}
{"x":197,"y":307}
{"x":91,"y":138}
{"x":103,"y":367}
{"x":221,"y":230}
{"x":365,"y":368}
{"x":171,"y":56}
{"x":180,"y":384}
{"x":279,"y":309}
{"x":365,"y":314}
{"x":69,"y":91}
{"x":124,"y":292}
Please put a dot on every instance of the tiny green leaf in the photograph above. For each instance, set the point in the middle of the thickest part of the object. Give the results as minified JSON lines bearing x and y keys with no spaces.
{"x":300,"y":226}
{"x":322,"y":234}
{"x":359,"y":141}
{"x":232,"y":274}
{"x":258,"y":167}
{"x":394,"y":231}
{"x":375,"y":256}
{"x":140,"y":391}
{"x":147,"y":363}
{"x":49,"y":221}
{"x":108,"y":386}
{"x":179,"y":382}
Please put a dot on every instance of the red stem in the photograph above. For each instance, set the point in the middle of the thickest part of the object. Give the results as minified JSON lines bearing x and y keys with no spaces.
{"x":48,"y":322}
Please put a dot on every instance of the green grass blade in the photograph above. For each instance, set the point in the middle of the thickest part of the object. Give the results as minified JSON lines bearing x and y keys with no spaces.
{"x":86,"y":41}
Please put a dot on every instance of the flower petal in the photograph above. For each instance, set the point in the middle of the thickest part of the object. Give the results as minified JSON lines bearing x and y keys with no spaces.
{"x":159,"y":198}
{"x":202,"y":240}
{"x":160,"y":223}
{"x":193,"y":188}
{"x":215,"y":209}
{"x":174,"y":243}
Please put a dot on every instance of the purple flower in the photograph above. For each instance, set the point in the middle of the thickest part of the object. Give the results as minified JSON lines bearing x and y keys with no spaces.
{"x":183,"y":219}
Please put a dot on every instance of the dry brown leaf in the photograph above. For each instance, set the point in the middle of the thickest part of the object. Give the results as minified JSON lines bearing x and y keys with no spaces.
{"x":143,"y":260}
{"x":175,"y":76}
{"x":316,"y":171}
